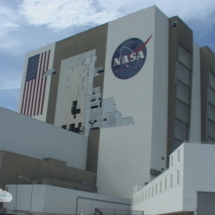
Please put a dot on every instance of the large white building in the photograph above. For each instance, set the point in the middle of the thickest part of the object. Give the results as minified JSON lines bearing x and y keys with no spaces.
{"x":137,"y":87}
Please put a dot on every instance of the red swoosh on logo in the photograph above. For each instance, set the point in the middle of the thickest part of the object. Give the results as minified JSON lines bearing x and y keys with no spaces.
{"x":142,"y":46}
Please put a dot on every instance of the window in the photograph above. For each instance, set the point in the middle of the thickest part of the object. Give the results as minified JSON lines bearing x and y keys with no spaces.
{"x":96,"y":106}
{"x":64,"y":126}
{"x":77,"y":130}
{"x":165,"y":183}
{"x":74,"y":107}
{"x":171,"y":160}
{"x":178,"y":155}
{"x":171,"y":180}
{"x":78,"y":111}
{"x":156,"y":190}
{"x":178,"y":176}
{"x":174,"y":24}
{"x":72,"y":127}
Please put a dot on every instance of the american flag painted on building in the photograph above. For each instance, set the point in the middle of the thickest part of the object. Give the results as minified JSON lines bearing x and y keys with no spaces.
{"x":35,"y":85}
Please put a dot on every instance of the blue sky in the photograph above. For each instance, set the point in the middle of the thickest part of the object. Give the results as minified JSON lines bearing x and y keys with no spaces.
{"x":30,"y":24}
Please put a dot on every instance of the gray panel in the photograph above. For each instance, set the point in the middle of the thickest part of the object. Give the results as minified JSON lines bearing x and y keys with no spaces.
{"x":205,"y":203}
{"x":183,"y":92}
{"x":180,"y":130}
{"x":184,"y":56}
{"x":180,"y":80}
{"x":92,"y":151}
{"x":211,"y":112}
{"x":211,"y":129}
{"x":183,"y":74}
{"x":212,"y":80}
{"x":209,"y":139}
{"x":176,"y":143}
{"x":207,"y":57}
{"x":211,"y":96}
{"x":182,"y":111}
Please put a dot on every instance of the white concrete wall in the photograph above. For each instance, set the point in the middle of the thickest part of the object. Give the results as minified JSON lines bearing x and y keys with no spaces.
{"x":124,"y":158}
{"x":160,"y":92}
{"x":165,"y":193}
{"x":192,"y":170}
{"x":50,"y":199}
{"x":30,"y":137}
{"x":199,"y":172}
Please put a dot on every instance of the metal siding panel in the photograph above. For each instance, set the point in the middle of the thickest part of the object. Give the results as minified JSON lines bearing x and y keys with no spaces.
{"x":205,"y":203}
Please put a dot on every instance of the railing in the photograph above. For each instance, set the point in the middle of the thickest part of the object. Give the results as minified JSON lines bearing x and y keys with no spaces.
{"x":97,"y":211}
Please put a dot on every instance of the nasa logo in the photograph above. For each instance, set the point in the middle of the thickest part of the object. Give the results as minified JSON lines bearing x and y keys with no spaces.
{"x":129,"y":58}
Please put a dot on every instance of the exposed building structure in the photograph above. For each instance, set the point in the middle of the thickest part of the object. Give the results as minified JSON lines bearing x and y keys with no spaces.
{"x":39,"y":162}
{"x":20,"y":169}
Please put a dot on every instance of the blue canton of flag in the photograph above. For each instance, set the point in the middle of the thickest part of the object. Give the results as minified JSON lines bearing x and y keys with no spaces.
{"x":32,"y":68}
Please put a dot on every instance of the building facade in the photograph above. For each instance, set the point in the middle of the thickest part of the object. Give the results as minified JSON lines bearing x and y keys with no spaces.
{"x":133,"y":86}
{"x":187,"y":187}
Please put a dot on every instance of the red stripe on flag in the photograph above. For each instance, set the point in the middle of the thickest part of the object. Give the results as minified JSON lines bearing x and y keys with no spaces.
{"x":26,"y":98}
{"x":44,"y":90}
{"x":37,"y":84}
{"x":23,"y":99}
{"x":30,"y":97}
{"x":41,"y":84}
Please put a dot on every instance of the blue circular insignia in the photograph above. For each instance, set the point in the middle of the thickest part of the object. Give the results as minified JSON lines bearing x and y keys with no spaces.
{"x":129,"y":58}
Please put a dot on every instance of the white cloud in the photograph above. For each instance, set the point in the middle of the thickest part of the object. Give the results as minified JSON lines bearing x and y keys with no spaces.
{"x":60,"y":14}
{"x":9,"y":21}
{"x":10,"y":85}
{"x":10,"y":25}
{"x":9,"y":79}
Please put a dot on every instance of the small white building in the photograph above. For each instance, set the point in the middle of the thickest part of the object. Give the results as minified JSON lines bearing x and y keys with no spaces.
{"x":187,"y":186}
{"x":38,"y":198}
